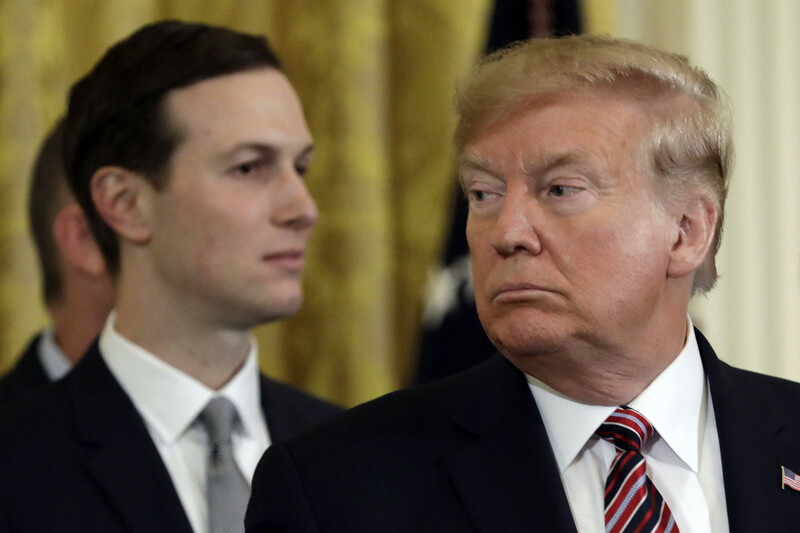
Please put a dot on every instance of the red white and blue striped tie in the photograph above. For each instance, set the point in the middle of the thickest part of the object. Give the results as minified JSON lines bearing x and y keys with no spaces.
{"x":632,"y":503}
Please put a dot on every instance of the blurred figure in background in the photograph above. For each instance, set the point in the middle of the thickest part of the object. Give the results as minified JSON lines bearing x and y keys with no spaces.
{"x":78,"y":292}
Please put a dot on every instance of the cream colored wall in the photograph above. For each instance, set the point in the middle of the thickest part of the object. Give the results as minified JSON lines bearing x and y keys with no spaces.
{"x":752,"y":49}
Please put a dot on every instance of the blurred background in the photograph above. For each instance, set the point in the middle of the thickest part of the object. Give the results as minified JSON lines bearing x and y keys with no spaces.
{"x":387,"y":284}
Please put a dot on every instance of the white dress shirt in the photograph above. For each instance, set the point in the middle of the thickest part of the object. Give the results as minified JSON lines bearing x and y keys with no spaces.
{"x":170,"y":401}
{"x":54,"y":362}
{"x":682,"y":457}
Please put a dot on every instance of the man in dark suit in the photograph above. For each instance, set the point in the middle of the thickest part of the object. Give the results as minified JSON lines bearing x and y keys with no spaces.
{"x":77,"y":289}
{"x":595,"y":171}
{"x":186,"y":147}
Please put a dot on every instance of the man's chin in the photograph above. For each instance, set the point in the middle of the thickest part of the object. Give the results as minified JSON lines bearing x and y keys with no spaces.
{"x":259,"y":313}
{"x":283,"y":309}
{"x":519,"y":341}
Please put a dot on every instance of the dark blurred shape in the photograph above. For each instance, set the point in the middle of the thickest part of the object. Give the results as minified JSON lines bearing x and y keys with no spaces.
{"x":452,"y":336}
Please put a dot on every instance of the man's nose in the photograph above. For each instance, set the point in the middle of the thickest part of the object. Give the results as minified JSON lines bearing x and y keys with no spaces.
{"x":297,"y":207}
{"x":515,"y":228}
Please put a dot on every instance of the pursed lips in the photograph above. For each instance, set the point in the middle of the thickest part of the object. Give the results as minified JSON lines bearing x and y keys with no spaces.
{"x":518,"y":291}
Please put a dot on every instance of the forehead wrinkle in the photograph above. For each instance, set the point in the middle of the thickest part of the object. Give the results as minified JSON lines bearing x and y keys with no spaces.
{"x":544,"y":161}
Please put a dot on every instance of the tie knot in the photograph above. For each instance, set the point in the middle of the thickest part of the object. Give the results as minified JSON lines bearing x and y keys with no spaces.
{"x":627,"y":429}
{"x":218,"y":418}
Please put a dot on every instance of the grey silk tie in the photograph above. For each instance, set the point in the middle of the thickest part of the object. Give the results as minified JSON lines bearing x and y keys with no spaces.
{"x":227,"y":491}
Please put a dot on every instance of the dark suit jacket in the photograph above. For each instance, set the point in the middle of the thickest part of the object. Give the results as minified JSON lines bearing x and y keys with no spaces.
{"x":470,"y":453}
{"x":76,"y":456}
{"x":27,"y":375}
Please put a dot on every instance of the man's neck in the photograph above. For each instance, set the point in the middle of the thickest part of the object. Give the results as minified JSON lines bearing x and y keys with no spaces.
{"x":187,"y":334}
{"x":603,"y":383}
{"x":605,"y":375}
{"x":211,"y":356}
{"x":75,"y":327}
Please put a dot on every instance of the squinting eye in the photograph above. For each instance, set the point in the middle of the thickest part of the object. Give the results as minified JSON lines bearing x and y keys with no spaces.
{"x":478,"y":196}
{"x":301,"y":170}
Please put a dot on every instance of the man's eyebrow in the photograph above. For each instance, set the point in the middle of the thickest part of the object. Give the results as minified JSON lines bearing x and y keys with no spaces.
{"x":546,"y":163}
{"x":538,"y":163}
{"x":265,"y":149}
{"x":307,"y":151}
{"x":475,"y":161}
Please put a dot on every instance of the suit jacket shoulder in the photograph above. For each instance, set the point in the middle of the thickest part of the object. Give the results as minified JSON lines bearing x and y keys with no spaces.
{"x":76,"y":456}
{"x":470,"y":453}
{"x":759,"y":432}
{"x":27,"y":375}
{"x":289,"y":410}
{"x":463,"y":454}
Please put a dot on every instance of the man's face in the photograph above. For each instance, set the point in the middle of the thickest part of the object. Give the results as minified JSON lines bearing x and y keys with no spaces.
{"x":231,"y":225}
{"x":569,"y":245}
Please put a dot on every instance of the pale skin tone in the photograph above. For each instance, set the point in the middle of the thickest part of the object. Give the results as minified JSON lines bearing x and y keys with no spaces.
{"x":221,"y":247}
{"x":582,"y":275}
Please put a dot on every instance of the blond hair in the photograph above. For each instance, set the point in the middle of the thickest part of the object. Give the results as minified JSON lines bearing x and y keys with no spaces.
{"x":688,"y":146}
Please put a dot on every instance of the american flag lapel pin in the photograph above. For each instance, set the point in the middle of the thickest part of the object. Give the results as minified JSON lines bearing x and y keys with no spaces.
{"x":789,"y":479}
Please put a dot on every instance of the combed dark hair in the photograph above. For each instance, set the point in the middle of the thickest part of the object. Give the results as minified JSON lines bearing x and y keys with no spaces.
{"x":48,"y":193}
{"x":116,"y":113}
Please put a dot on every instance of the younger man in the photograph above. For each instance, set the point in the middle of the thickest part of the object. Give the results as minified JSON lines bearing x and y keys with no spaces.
{"x":186,"y":146}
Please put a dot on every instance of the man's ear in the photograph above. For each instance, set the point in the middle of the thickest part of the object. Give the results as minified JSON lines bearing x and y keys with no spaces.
{"x":119,"y":197}
{"x":75,"y":241}
{"x":697,"y":221}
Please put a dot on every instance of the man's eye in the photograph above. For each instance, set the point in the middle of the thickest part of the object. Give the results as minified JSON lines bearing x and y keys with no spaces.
{"x":563,"y":190}
{"x":478,"y":196}
{"x":247,"y":168}
{"x":301,"y":169}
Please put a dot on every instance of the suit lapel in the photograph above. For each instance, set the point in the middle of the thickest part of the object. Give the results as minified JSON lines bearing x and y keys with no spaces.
{"x":119,"y":452}
{"x":279,"y":422}
{"x":507,"y":475}
{"x":751,"y":437}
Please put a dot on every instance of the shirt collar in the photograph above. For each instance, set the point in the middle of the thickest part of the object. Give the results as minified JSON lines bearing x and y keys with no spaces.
{"x":55,"y":363}
{"x":170,"y":400}
{"x":674,"y":402}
